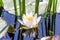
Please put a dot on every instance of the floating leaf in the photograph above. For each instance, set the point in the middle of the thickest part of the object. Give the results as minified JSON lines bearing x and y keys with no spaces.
{"x":51,"y":32}
{"x":11,"y":29}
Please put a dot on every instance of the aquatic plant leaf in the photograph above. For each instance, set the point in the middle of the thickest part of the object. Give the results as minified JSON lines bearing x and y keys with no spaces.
{"x":11,"y":29}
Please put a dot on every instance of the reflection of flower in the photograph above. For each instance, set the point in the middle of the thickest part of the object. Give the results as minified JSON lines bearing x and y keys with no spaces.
{"x":51,"y":38}
{"x":30,"y":20}
{"x":45,"y":38}
{"x":3,"y":27}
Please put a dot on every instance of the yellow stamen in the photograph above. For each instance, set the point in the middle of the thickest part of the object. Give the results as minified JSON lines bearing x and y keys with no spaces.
{"x":29,"y":18}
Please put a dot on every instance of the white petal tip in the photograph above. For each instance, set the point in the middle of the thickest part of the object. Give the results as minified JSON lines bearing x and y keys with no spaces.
{"x":45,"y":38}
{"x":20,"y":21}
{"x":39,"y":18}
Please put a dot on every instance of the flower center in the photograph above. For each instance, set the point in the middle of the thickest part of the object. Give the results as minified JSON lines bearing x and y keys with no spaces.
{"x":29,"y":18}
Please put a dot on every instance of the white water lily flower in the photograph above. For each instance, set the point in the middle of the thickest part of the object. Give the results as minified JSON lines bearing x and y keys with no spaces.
{"x":3,"y":27}
{"x":30,"y":20}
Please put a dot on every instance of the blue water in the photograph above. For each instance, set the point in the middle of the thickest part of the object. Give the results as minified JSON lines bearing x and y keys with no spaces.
{"x":10,"y":20}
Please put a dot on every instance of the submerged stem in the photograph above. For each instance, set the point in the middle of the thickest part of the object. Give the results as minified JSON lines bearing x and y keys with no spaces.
{"x":37,"y":7}
{"x":16,"y":14}
{"x":1,"y":7}
{"x":22,"y":11}
{"x":47,"y":14}
{"x":54,"y":14}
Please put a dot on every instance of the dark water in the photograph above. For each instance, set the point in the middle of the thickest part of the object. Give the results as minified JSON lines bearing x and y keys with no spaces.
{"x":10,"y":20}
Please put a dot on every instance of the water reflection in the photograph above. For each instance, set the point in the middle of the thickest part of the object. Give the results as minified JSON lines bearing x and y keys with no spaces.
{"x":10,"y":20}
